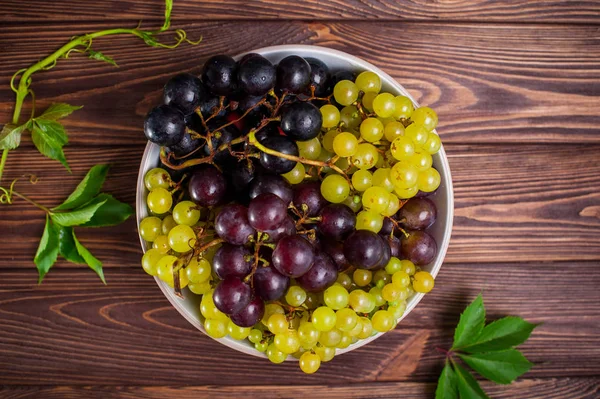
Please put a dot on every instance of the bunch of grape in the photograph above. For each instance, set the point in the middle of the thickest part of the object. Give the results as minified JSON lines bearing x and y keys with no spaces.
{"x":293,"y":200}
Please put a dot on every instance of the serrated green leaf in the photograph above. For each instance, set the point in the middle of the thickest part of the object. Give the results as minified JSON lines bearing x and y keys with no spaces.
{"x":446,"y":388}
{"x":502,"y":367}
{"x":10,"y":136}
{"x":470,"y":325}
{"x":58,"y":110}
{"x":87,"y":189}
{"x":468,"y":387}
{"x":66,"y":245}
{"x":97,"y":55}
{"x":111,"y":213}
{"x":91,"y":261}
{"x":78,"y":216}
{"x":49,"y":138}
{"x":501,"y":334}
{"x":47,"y":251}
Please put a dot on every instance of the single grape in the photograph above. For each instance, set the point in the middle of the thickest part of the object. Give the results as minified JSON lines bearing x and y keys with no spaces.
{"x":368,"y":81}
{"x":344,"y":280}
{"x":325,"y":353}
{"x":382,"y":178}
{"x":361,"y":301}
{"x":216,"y":328}
{"x":262,"y":347}
{"x":301,"y":120}
{"x":267,"y":183}
{"x":369,"y":220}
{"x":322,"y":274}
{"x":433,"y":143}
{"x":408,"y":267}
{"x":232,"y":225}
{"x":353,"y":202}
{"x":323,"y":318}
{"x":232,"y":295}
{"x":404,"y":107}
{"x":159,"y":201}
{"x":393,"y":292}
{"x":364,"y":249}
{"x":295,"y":296}
{"x":426,"y":117}
{"x":237,"y":332}
{"x":350,"y":117}
{"x":401,"y":278}
{"x":420,"y":248}
{"x":362,"y":180}
{"x":150,"y":228}
{"x":346,"y":319}
{"x":394,"y":265}
{"x":309,"y":149}
{"x":293,"y":256}
{"x":345,"y":92}
{"x":421,"y":160}
{"x":269,"y":284}
{"x":319,"y":76}
{"x":287,"y":342}
{"x":376,"y":293}
{"x":366,"y":156}
{"x":371,"y":129}
{"x":200,"y":288}
{"x":335,"y":249}
{"x":397,"y":311}
{"x":337,"y":221}
{"x":184,"y":91}
{"x":423,"y":282}
{"x":275,"y":355}
{"x":287,"y":228}
{"x":418,"y":214}
{"x":219,"y":74}
{"x":266,"y":212}
{"x":249,"y":315}
{"x":164,"y":125}
{"x":336,"y":297}
{"x":232,"y":261}
{"x":402,"y":148}
{"x":383,"y":321}
{"x":417,"y":133}
{"x":157,"y":178}
{"x":384,"y":105}
{"x":309,"y":194}
{"x":150,"y":261}
{"x":207,"y":186}
{"x":335,"y":188}
{"x":167,"y":224}
{"x":283,"y":145}
{"x":208,"y":308}
{"x":256,"y":75}
{"x":330,"y":115}
{"x":345,"y":144}
{"x":376,"y":199}
{"x":367,"y":100}
{"x":362,"y":277}
{"x":186,"y":212}
{"x":404,"y":175}
{"x":185,"y":146}
{"x":165,"y":271}
{"x":405,"y":193}
{"x":296,"y":175}
{"x":428,"y":180}
{"x":367,"y":328}
{"x":309,"y":362}
{"x":219,"y":138}
{"x":198,"y":270}
{"x":393,"y":130}
{"x":271,"y":309}
{"x":393,"y":206}
{"x":277,"y":323}
{"x":255,"y":336}
{"x":331,"y":338}
{"x":182,"y":238}
{"x":293,"y":74}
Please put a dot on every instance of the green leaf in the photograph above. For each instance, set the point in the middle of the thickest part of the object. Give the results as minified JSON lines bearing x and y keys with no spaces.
{"x":96,"y":55}
{"x":501,"y":334}
{"x":87,"y":189}
{"x":446,"y":388}
{"x":47,"y":251}
{"x":111,"y":213}
{"x":502,"y":367}
{"x":78,"y":216}
{"x":470,"y":325}
{"x":49,"y":137}
{"x":66,"y":245}
{"x":91,"y":261}
{"x":10,"y":136}
{"x":58,"y":110}
{"x":468,"y":387}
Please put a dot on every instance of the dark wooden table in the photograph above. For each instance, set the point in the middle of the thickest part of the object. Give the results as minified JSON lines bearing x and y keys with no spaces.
{"x":517,"y":87}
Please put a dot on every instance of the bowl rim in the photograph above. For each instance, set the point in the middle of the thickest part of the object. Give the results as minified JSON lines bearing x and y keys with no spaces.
{"x":388,"y":81}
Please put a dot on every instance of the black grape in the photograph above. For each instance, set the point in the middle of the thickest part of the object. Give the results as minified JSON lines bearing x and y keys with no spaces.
{"x":293,"y":74}
{"x":276,"y":164}
{"x":250,"y":315}
{"x":394,"y":244}
{"x":232,"y":295}
{"x":309,"y":193}
{"x":335,"y":249}
{"x":165,"y":125}
{"x":420,"y":248}
{"x":269,"y":284}
{"x":232,"y":261}
{"x":321,"y":275}
{"x":268,"y":183}
{"x":293,"y":256}
{"x":364,"y":249}
{"x":256,"y":75}
{"x":319,"y":77}
{"x":301,"y":121}
{"x":186,"y":145}
{"x":210,"y":104}
{"x":184,"y":91}
{"x":207,"y":186}
{"x":266,"y":212}
{"x":386,"y":255}
{"x":219,"y":74}
{"x":337,"y":221}
{"x":286,"y":228}
{"x":231,"y":224}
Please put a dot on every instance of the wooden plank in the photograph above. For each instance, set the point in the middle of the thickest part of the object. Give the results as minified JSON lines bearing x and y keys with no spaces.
{"x":563,"y":388}
{"x":489,"y":83}
{"x":473,"y":10}
{"x":59,"y":333}
{"x":513,"y":203}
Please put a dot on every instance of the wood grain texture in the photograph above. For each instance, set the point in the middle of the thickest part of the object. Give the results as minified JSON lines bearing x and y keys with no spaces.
{"x":59,"y":333}
{"x":470,"y":10}
{"x":489,"y":83}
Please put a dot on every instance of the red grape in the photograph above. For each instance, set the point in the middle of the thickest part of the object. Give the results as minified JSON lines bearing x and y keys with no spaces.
{"x":293,"y":256}
{"x":232,"y":295}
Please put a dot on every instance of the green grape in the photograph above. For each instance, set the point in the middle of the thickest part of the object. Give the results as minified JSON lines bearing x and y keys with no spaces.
{"x":357,"y":328}
{"x":150,"y":261}
{"x":408,"y":267}
{"x":383,"y":321}
{"x":406,"y":193}
{"x":425,"y":116}
{"x":362,"y":277}
{"x":344,"y":163}
{"x":261,"y":346}
{"x":402,"y":148}
{"x":428,"y":180}
{"x":330,"y":338}
{"x":421,"y":160}
{"x":198,"y":270}
{"x":423,"y":282}
{"x":362,"y":180}
{"x":392,"y":292}
{"x":323,"y":318}
{"x":295,"y":296}
{"x":367,"y":100}
{"x":394,"y":265}
{"x":376,"y":199}
{"x":167,"y":224}
{"x":366,"y":156}
{"x":328,"y":139}
{"x":398,"y":310}
{"x":157,"y":178}
{"x":308,"y":334}
{"x":336,"y":296}
{"x":376,"y":292}
{"x":367,"y":328}
{"x":384,"y":105}
{"x":417,"y":133}
{"x":385,"y":121}
{"x":295,"y":175}
{"x":401,"y":278}
{"x":345,"y":144}
{"x":335,"y":188}
{"x":275,"y":355}
{"x":309,"y":362}
{"x":182,"y":238}
{"x":393,"y":206}
{"x":216,"y":328}
{"x":353,"y":202}
{"x":165,"y":271}
{"x":345,"y":342}
{"x":367,"y":220}
{"x":325,"y":353}
{"x":393,"y":130}
{"x":209,"y":254}
{"x":271,"y":309}
{"x":237,"y":332}
{"x":371,"y":129}
{"x":350,"y":117}
{"x":208,"y":308}
{"x":287,"y":341}
{"x":345,"y":92}
{"x":433,"y":143}
{"x":277,"y":323}
{"x":313,"y":300}
{"x":331,"y":115}
{"x":255,"y":336}
{"x":159,"y":201}
{"x":368,"y":82}
{"x":381,"y":178}
{"x":345,"y":281}
{"x":186,"y":213}
{"x":382,"y":276}
{"x":161,"y":243}
{"x":346,"y":319}
{"x":150,"y":228}
{"x":361,"y":301}
{"x":200,"y":288}
{"x":310,"y":149}
{"x":404,"y":175}
{"x":404,"y":107}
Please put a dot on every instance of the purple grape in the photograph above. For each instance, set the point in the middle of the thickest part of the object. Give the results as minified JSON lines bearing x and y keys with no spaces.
{"x":164,"y":125}
{"x":388,"y":226}
{"x":267,"y":183}
{"x":232,"y":261}
{"x":219,"y":74}
{"x":321,"y":275}
{"x":293,"y":256}
{"x":231,"y":224}
{"x":337,"y":221}
{"x":184,"y":91}
{"x":301,"y":121}
{"x":387,"y":255}
{"x":207,"y":186}
{"x":364,"y":249}
{"x":293,"y":74}
{"x":283,"y":145}
{"x":256,"y":75}
{"x":393,"y":242}
{"x":420,"y":248}
{"x":417,"y":214}
{"x":287,"y":228}
{"x":250,"y":315}
{"x":335,"y":249}
{"x":309,"y":193}
{"x":269,"y":284}
{"x":266,"y":212}
{"x":232,"y":295}
{"x":240,"y":176}
{"x":319,"y":76}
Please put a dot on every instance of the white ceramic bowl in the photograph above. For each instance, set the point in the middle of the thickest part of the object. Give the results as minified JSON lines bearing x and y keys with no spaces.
{"x":444,"y":199}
